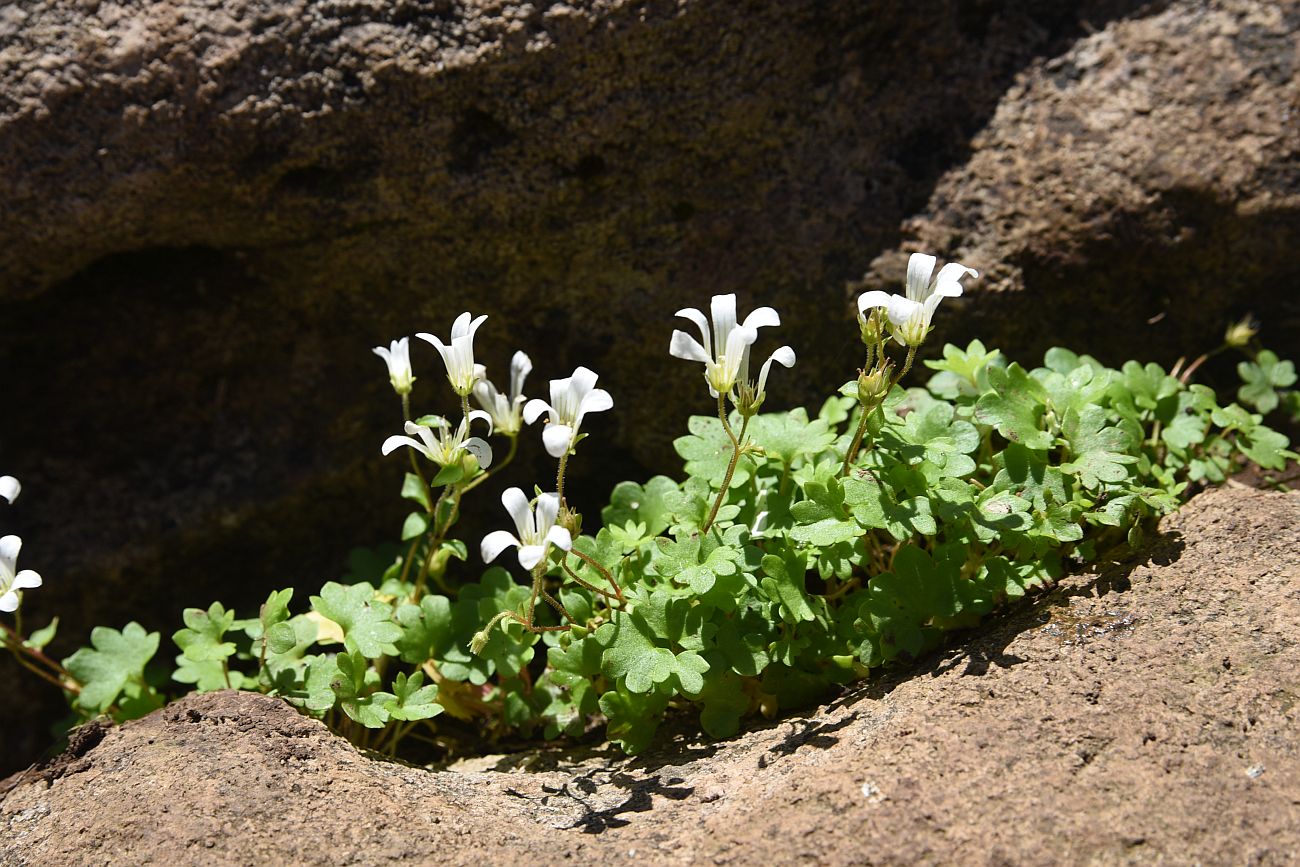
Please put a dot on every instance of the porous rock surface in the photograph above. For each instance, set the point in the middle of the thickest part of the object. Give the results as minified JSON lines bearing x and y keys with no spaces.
{"x":1145,"y":715}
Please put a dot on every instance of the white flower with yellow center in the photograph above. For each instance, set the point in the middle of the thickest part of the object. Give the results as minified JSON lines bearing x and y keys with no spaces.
{"x":506,"y":410}
{"x":571,"y":399}
{"x":444,"y":448}
{"x":459,"y":355}
{"x":536,"y":527}
{"x":724,"y":351}
{"x":11,"y":581}
{"x":398,"y":358}
{"x":910,"y":316}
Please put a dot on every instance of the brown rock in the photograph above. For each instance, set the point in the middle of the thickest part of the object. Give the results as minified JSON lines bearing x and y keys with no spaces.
{"x":1138,"y":190}
{"x":1146,"y":715}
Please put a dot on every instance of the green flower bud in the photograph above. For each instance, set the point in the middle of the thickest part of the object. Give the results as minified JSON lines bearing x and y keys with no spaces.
{"x":873,"y":386}
{"x":1240,"y":334}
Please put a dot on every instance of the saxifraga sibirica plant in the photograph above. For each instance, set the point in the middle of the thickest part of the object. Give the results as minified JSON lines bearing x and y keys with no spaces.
{"x":799,"y":551}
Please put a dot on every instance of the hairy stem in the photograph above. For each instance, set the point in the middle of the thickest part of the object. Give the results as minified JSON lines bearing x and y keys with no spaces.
{"x":731,"y":465}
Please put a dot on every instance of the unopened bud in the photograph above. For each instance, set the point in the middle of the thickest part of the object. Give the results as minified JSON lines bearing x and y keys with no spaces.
{"x":748,"y":399}
{"x":871,"y":328}
{"x":1241,"y":333}
{"x":570,"y":520}
{"x":873,"y":386}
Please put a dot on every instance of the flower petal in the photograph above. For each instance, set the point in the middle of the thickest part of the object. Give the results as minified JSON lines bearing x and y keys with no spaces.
{"x":395,"y":442}
{"x":919,"y":268}
{"x":762,"y":317}
{"x":535,"y":408}
{"x":684,"y":346}
{"x":560,"y":538}
{"x":596,"y":400}
{"x":9,"y":602}
{"x":26,"y":580}
{"x":582,"y":381}
{"x":478,"y":414}
{"x":548,"y":508}
{"x":702,"y":323}
{"x":948,"y":282}
{"x":496,"y":542}
{"x":783,"y":356}
{"x":874,"y":298}
{"x":723,"y":309}
{"x":520,"y":366}
{"x":557,"y":438}
{"x":531,"y":555}
{"x":9,"y":488}
{"x":481,"y":450}
{"x":9,"y":548}
{"x":516,"y":503}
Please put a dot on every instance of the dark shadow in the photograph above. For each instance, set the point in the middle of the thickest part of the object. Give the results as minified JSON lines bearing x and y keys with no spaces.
{"x":640,"y":798}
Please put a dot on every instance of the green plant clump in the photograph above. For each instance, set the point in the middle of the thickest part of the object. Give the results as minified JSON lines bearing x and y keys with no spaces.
{"x":800,"y":550}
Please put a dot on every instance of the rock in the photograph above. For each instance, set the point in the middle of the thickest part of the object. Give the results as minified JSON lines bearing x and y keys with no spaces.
{"x":1143,"y":715}
{"x":1133,"y":194}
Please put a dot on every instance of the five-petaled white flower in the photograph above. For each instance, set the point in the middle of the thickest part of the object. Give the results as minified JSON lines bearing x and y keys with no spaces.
{"x":398,"y":358}
{"x":537,"y":529}
{"x":571,"y":399}
{"x":10,"y":581}
{"x":9,"y":488}
{"x":725,"y":351}
{"x":459,"y":356}
{"x":910,"y":315}
{"x":446,"y":447}
{"x":506,"y":411}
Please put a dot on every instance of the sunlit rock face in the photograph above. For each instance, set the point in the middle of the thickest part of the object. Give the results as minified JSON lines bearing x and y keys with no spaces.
{"x":210,"y":213}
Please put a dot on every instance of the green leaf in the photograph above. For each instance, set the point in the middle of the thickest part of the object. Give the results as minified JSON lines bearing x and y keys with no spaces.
{"x":633,"y":656}
{"x":724,"y":701}
{"x":414,"y":489}
{"x":875,"y":508}
{"x":901,"y":604}
{"x":43,"y":636}
{"x":281,"y":638}
{"x":1099,"y":453}
{"x":647,"y":504}
{"x":202,"y":639}
{"x":366,"y":621}
{"x":411,"y":701}
{"x":786,"y":437}
{"x":115,"y":660}
{"x":823,"y":519}
{"x":416,"y":524}
{"x":426,"y":629}
{"x":1015,"y":407}
{"x":1262,"y":378}
{"x":784,"y":585}
{"x":962,"y":373}
{"x":633,"y":718}
{"x":356,"y":685}
{"x":707,"y":452}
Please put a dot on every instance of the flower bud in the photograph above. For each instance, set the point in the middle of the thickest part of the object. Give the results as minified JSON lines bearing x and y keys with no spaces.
{"x":873,"y":386}
{"x":870,"y":327}
{"x":1239,"y":334}
{"x":570,"y":520}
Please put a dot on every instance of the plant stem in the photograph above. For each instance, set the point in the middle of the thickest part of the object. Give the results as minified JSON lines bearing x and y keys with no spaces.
{"x":731,"y":465}
{"x":559,"y":477}
{"x":599,"y":567}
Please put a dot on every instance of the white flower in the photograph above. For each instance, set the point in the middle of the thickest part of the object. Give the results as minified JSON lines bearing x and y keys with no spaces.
{"x":9,"y":488}
{"x":536,"y":527}
{"x":459,"y":356}
{"x":725,"y":352}
{"x":506,"y":411}
{"x":571,"y":399}
{"x":446,"y":447}
{"x":398,"y":358}
{"x":910,"y":316}
{"x":11,"y":583}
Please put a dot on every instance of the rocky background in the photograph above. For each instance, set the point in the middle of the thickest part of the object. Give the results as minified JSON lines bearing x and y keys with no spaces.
{"x":210,"y":212}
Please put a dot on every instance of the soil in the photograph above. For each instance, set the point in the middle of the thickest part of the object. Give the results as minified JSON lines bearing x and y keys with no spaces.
{"x":1144,"y":714}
